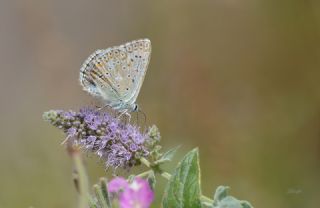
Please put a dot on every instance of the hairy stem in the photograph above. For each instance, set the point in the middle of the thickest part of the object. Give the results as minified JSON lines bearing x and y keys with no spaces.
{"x":146,"y":173}
{"x":82,"y":179}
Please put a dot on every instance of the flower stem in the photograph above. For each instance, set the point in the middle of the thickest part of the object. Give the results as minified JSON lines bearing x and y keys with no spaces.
{"x":75,"y":154}
{"x":146,"y":173}
{"x":145,"y":162}
{"x":206,"y":199}
{"x":166,"y":175}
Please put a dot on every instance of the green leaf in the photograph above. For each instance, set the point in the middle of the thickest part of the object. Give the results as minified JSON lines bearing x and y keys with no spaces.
{"x":221,"y":199}
{"x":183,"y":188}
{"x":166,"y":157}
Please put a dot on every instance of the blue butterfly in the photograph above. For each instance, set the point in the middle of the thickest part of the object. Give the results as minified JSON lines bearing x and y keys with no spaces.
{"x":116,"y":74}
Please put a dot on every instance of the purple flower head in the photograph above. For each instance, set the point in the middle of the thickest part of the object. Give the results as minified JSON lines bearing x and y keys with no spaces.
{"x":92,"y":118}
{"x":135,"y":135}
{"x":137,"y":194}
{"x":90,"y":142}
{"x":118,"y":144}
{"x":133,"y":147}
{"x":69,"y":115}
{"x":71,"y":132}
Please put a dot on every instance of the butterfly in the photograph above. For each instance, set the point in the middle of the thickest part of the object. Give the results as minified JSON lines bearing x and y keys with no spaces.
{"x":116,"y":74}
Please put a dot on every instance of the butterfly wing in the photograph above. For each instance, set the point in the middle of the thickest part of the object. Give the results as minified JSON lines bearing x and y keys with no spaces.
{"x":116,"y":74}
{"x":94,"y":77}
{"x":138,"y":57}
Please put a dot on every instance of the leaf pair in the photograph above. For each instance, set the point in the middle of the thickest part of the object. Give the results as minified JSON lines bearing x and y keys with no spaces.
{"x":184,"y":191}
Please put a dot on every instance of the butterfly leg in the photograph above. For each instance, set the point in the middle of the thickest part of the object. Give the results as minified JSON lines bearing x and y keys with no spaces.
{"x":103,"y":107}
{"x":126,"y":113}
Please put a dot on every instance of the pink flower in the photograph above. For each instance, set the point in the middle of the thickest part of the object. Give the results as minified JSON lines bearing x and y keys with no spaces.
{"x":137,"y":194}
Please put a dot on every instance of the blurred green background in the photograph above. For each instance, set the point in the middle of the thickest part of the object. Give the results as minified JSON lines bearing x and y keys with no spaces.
{"x":240,"y":79}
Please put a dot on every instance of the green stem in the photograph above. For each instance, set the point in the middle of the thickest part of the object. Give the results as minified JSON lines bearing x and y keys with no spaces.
{"x":75,"y":154}
{"x":146,"y":173}
{"x":166,"y":175}
{"x":145,"y":162}
{"x":206,"y":199}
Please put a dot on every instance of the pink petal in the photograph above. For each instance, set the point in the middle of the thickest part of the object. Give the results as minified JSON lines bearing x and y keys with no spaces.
{"x":116,"y":184}
{"x":138,"y":194}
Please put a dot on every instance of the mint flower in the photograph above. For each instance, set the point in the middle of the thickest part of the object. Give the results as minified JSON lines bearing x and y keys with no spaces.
{"x":118,"y":144}
{"x":136,"y":194}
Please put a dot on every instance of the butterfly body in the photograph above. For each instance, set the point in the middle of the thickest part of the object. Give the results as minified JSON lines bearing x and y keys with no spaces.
{"x":116,"y":74}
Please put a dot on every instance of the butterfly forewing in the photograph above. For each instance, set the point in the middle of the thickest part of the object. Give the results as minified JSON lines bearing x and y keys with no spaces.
{"x":138,"y":60}
{"x":116,"y":74}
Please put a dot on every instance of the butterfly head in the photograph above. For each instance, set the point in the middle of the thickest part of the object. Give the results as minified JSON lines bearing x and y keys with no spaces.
{"x":135,"y":107}
{"x":127,"y":107}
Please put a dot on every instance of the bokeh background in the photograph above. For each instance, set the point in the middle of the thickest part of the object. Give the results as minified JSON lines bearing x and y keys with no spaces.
{"x":240,"y":79}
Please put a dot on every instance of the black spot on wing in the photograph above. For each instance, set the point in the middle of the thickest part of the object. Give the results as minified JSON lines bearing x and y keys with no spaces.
{"x":91,"y":82}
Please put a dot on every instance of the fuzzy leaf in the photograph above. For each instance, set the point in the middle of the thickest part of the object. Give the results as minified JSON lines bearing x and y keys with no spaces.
{"x":166,"y":157}
{"x":222,"y":200}
{"x":183,"y":188}
{"x":221,"y":193}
